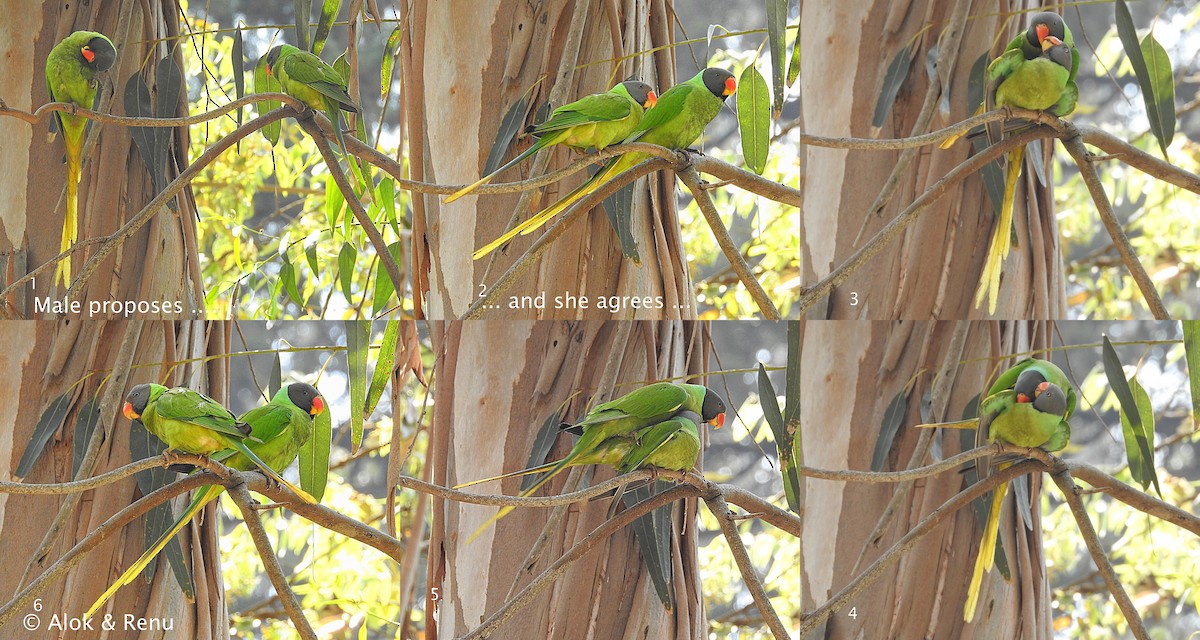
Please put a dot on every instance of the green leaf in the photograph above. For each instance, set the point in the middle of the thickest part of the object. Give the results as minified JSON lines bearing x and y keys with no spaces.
{"x":618,"y":208}
{"x":85,"y":423}
{"x":386,"y":195}
{"x":346,"y":258}
{"x":894,"y":79}
{"x":383,"y":284}
{"x":239,"y":70}
{"x":546,"y":436}
{"x":276,"y":381}
{"x":310,"y":254}
{"x":314,"y":456}
{"x":329,"y":12}
{"x":51,"y":419}
{"x":142,"y":445}
{"x":1158,"y":90}
{"x":754,"y":118}
{"x":264,"y":83}
{"x":383,"y":365}
{"x":389,"y":61}
{"x":794,"y":63}
{"x":510,"y":126}
{"x":287,"y":274}
{"x":358,"y":339}
{"x":1139,"y":438}
{"x":335,"y":203}
{"x":776,"y":35}
{"x":653,"y":534}
{"x":789,"y":454}
{"x":1191,"y":349}
{"x":893,"y":417}
{"x":303,"y":9}
{"x":993,"y":175}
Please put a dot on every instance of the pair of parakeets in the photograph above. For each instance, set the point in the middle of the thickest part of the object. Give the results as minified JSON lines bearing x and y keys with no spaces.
{"x":1028,"y":406}
{"x":654,"y":426}
{"x":629,"y":112}
{"x":1036,"y":71}
{"x":267,"y":438}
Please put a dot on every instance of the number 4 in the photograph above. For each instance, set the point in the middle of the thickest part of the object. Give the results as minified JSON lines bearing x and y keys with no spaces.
{"x":853,"y":613}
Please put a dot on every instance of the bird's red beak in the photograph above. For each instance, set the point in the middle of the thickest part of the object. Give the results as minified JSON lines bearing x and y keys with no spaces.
{"x":129,"y":412}
{"x":730,"y":86}
{"x":318,"y":406}
{"x":1041,"y":388}
{"x":88,"y":54}
{"x":1043,"y":30}
{"x":651,"y":100}
{"x":1023,"y":398}
{"x":718,"y":421}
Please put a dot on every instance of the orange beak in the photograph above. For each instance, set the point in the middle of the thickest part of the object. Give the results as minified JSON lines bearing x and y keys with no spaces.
{"x":1050,"y":42}
{"x":718,"y":421}
{"x":730,"y":86}
{"x":1041,"y":388}
{"x":318,"y":406}
{"x":129,"y":412}
{"x":651,"y":100}
{"x":1043,"y":30}
{"x":88,"y":54}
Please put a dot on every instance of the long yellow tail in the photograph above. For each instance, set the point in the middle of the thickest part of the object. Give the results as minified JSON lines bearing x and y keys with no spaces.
{"x":987,"y":549}
{"x":989,"y":281}
{"x":208,"y":495}
{"x":972,"y":423}
{"x":556,"y":468}
{"x":512,"y":474}
{"x":70,"y":232}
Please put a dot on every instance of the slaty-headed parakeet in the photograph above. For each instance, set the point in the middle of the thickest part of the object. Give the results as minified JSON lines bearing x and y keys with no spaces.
{"x":674,"y":122}
{"x":311,"y":80}
{"x":592,"y":122}
{"x":277,"y":431}
{"x":71,"y":72}
{"x":1036,"y":71}
{"x":651,"y":423}
{"x":1028,"y":406}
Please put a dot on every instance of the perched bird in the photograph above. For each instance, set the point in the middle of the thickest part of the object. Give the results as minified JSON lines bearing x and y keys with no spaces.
{"x":277,"y":429}
{"x":592,"y":122}
{"x":647,"y":426}
{"x":71,"y":72}
{"x":192,"y":422}
{"x":1028,"y":406}
{"x":1036,"y":71}
{"x":310,"y":80}
{"x":675,"y":121}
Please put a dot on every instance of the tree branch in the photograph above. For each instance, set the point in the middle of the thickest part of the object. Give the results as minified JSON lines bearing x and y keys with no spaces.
{"x":716,"y":504}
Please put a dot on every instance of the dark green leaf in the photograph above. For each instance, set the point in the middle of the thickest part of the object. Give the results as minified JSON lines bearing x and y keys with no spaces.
{"x":276,"y":381}
{"x":346,"y":257}
{"x":159,"y":519}
{"x":754,"y":118}
{"x":1162,"y":81}
{"x":314,"y":456}
{"x":329,"y":12}
{"x":894,"y":79}
{"x":770,"y":405}
{"x":264,"y":83}
{"x":653,"y":534}
{"x":776,"y":35}
{"x":1191,"y":349}
{"x":1150,"y":83}
{"x":51,"y":419}
{"x":618,"y":208}
{"x":287,"y":274}
{"x":86,"y":420}
{"x":546,"y":436}
{"x":893,"y":417}
{"x":789,"y":455}
{"x":335,"y":203}
{"x":239,"y":70}
{"x":138,"y":105}
{"x":383,"y":365}
{"x":389,"y":61}
{"x":303,"y":9}
{"x":383,"y":283}
{"x":358,"y":339}
{"x":310,"y":254}
{"x":386,"y":195}
{"x":794,"y":63}
{"x":510,"y":126}
{"x":1139,"y":437}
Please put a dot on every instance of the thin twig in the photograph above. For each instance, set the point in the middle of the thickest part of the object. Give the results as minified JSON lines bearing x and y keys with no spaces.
{"x":266,"y":553}
{"x":1069,"y":490}
{"x":716,"y":504}
{"x":130,"y":121}
{"x":740,"y":267}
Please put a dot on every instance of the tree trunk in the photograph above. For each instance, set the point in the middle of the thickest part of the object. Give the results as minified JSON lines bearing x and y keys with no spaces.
{"x":98,"y":360}
{"x":932,"y":269}
{"x":502,"y":380}
{"x":465,"y":64}
{"x":857,"y":369}
{"x":159,"y":262}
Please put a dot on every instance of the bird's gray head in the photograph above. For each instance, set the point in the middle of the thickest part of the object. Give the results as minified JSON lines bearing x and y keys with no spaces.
{"x":99,"y":53}
{"x":1049,"y":398}
{"x":713,"y":408}
{"x":306,"y":397}
{"x":641,"y":93}
{"x":719,"y":81}
{"x":272,"y":56}
{"x":1045,"y":24}
{"x":1060,"y":54}
{"x":1027,"y":383}
{"x":136,"y":401}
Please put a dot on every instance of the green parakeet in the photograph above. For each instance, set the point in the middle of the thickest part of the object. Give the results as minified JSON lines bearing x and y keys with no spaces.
{"x":634,"y":417}
{"x":71,"y":72}
{"x":310,"y":80}
{"x":277,"y":429}
{"x":192,"y":422}
{"x":1028,"y":406}
{"x":592,"y":122}
{"x":675,"y":121}
{"x":1036,"y":71}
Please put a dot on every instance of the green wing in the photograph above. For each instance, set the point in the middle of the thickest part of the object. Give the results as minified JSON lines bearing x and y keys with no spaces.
{"x":668,"y":107}
{"x":646,"y":402}
{"x":671,"y":444}
{"x":186,"y":405}
{"x":601,"y":107}
{"x":998,"y":403}
{"x":268,"y":421}
{"x":310,"y":70}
